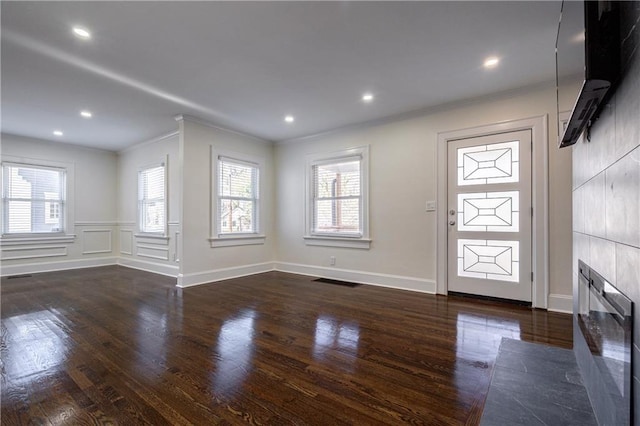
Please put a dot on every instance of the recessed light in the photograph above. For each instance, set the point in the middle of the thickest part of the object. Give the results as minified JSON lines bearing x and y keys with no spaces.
{"x":367,"y":97}
{"x":86,"y":114}
{"x":81,"y":33}
{"x":491,"y":62}
{"x":58,"y":132}
{"x":289,"y":119}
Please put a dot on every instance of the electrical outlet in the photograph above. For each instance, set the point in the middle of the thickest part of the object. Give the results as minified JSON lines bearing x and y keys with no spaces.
{"x":332,"y":260}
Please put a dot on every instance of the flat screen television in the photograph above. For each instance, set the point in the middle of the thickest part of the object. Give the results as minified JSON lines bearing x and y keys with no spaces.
{"x":587,"y":51}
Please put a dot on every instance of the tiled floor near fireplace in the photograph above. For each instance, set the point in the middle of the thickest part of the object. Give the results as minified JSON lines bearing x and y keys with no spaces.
{"x":535,"y":384}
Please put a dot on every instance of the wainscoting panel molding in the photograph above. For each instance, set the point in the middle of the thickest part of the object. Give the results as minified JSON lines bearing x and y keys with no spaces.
{"x":96,"y":241}
{"x":126,"y":241}
{"x":32,"y":252}
{"x":152,"y":251}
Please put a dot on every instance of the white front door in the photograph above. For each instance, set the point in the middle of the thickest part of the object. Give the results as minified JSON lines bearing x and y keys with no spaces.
{"x":489,"y":215}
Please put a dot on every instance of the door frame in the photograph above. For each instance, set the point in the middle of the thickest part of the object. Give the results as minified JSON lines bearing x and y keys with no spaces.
{"x":538,"y":126}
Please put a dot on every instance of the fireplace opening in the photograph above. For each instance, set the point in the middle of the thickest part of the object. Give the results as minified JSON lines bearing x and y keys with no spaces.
{"x":605,"y":321}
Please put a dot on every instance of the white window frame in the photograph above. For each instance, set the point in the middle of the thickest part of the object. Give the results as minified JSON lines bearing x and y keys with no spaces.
{"x":140,"y":201}
{"x":347,"y":240}
{"x":224,"y":239}
{"x":66,"y":234}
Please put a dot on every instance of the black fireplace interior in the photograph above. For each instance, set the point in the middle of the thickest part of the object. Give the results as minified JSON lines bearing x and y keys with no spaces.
{"x":605,"y":320}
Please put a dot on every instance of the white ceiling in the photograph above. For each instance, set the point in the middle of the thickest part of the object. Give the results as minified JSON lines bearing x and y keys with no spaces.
{"x":245,"y":65}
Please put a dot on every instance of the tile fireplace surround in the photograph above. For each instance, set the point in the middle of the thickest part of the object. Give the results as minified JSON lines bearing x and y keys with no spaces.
{"x":606,"y":199}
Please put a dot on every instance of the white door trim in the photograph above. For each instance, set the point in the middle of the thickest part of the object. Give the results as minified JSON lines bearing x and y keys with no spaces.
{"x":539,"y":187}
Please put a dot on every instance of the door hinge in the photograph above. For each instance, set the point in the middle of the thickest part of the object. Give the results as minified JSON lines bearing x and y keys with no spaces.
{"x":531,"y":211}
{"x":532,"y":277}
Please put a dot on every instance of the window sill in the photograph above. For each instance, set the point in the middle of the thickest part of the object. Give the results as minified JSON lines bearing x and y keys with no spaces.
{"x":152,"y":236}
{"x":237,"y":240}
{"x":345,"y":242}
{"x":39,"y":239}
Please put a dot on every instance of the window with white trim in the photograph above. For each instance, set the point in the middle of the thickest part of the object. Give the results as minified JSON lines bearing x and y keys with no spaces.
{"x":33,"y":199}
{"x":338,"y":198}
{"x":238,"y":196}
{"x":152,"y":204}
{"x":236,"y":201}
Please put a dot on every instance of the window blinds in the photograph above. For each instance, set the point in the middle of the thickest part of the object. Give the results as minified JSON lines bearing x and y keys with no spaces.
{"x":33,"y":199}
{"x":237,"y":196}
{"x":151,"y":199}
{"x":337,"y":200}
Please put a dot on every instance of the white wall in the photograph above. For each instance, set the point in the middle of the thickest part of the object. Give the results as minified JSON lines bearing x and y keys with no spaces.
{"x":402,"y":179}
{"x":200,"y":262}
{"x":91,"y":218}
{"x":143,"y":252}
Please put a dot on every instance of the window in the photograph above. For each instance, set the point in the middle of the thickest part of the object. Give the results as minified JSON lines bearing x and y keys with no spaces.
{"x":152,"y":208}
{"x":338,"y":199}
{"x":237,"y":196}
{"x":33,"y":199}
{"x":235,"y":199}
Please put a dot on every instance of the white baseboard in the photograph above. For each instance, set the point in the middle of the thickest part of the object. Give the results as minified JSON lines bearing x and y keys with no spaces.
{"x":156,"y":268}
{"x":560,"y":303}
{"x":362,"y":277}
{"x":188,"y":280}
{"x":35,"y":268}
{"x":557,"y":302}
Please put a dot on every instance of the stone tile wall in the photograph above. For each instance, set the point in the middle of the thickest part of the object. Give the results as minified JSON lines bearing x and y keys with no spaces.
{"x":606,"y":199}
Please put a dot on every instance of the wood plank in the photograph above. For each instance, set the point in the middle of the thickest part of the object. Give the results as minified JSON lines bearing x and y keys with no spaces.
{"x":113,"y":345}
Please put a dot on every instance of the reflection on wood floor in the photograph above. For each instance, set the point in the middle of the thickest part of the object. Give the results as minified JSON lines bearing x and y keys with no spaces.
{"x":113,"y":345}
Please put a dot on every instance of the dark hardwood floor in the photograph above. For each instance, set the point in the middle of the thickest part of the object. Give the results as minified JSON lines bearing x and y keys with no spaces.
{"x":113,"y":345}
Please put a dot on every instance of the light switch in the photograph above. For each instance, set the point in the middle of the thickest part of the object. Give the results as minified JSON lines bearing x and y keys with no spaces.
{"x":431,"y":206}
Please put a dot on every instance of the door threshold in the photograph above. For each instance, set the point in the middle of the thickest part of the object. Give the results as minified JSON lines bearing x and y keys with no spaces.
{"x":489,"y":298}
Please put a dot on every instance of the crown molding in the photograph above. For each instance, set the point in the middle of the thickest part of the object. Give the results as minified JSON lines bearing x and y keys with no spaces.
{"x":69,"y":145}
{"x":149,"y":142}
{"x":206,"y":123}
{"x":421,"y":112}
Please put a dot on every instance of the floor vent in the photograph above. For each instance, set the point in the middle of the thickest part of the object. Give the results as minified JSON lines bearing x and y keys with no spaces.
{"x":337,"y":282}
{"x":19,"y":276}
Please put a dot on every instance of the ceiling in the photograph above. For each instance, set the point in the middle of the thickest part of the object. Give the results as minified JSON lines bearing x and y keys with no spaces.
{"x":245,"y":65}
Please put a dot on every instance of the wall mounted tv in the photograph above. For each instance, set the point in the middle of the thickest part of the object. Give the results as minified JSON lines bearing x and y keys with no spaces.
{"x":587,"y":50}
